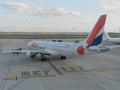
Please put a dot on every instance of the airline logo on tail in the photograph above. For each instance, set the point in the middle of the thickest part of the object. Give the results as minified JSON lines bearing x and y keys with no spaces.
{"x":95,"y":37}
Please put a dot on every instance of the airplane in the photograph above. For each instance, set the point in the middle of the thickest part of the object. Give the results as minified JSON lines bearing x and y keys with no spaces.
{"x":91,"y":45}
{"x":110,"y":39}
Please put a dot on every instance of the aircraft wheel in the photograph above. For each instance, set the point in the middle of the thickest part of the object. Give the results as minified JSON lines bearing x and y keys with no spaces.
{"x":43,"y":59}
{"x":63,"y":57}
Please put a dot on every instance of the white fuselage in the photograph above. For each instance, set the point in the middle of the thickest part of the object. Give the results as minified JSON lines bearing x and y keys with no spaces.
{"x":110,"y":39}
{"x":115,"y":40}
{"x":57,"y":48}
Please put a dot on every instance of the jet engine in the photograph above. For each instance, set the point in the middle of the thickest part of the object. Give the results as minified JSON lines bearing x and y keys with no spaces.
{"x":31,"y":54}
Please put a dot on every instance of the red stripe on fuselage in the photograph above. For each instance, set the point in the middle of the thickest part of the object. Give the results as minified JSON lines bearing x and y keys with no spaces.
{"x":99,"y":25}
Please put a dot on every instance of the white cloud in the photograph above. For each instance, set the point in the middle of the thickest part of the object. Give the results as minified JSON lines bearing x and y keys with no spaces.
{"x":36,"y":11}
{"x":55,"y":12}
{"x":111,"y":6}
{"x":112,"y":9}
{"x":19,"y":7}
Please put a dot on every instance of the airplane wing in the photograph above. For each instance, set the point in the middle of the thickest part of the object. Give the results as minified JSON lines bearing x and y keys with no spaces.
{"x":29,"y":52}
{"x":21,"y":51}
{"x":112,"y":46}
{"x":103,"y":48}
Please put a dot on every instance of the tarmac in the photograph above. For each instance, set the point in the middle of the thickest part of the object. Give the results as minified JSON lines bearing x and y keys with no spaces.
{"x":89,"y":72}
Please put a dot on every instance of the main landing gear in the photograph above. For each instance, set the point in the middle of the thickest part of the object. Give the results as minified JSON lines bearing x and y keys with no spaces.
{"x":63,"y":57}
{"x":43,"y":58}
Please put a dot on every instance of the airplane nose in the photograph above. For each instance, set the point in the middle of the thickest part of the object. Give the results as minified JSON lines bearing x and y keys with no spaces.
{"x":30,"y":44}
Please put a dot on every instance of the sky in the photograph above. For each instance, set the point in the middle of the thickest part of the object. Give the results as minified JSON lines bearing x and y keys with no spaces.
{"x":57,"y":15}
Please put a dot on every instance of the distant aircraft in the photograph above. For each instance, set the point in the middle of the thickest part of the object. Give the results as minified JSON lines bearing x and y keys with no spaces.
{"x":91,"y":45}
{"x":108,"y":38}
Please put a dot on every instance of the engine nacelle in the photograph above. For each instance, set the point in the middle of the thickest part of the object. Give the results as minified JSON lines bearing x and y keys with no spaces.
{"x":31,"y":54}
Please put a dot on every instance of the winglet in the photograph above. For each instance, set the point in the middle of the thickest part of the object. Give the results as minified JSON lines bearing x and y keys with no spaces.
{"x":95,"y":37}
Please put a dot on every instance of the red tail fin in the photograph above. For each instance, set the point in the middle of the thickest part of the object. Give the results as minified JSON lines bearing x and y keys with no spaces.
{"x":97,"y":30}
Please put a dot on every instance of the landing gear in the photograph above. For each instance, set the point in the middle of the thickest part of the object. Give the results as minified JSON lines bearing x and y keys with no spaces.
{"x":43,"y":58}
{"x":63,"y":57}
